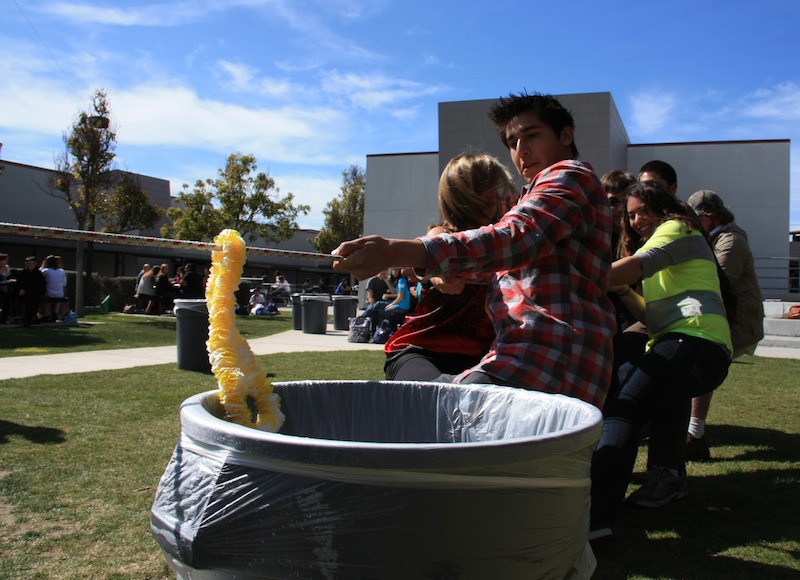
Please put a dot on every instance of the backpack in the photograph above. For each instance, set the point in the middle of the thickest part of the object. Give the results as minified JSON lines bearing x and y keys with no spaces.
{"x":360,"y":329}
{"x":383,"y":332}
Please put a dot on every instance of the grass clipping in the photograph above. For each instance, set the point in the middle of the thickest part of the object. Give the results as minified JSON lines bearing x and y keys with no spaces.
{"x":244,"y":391}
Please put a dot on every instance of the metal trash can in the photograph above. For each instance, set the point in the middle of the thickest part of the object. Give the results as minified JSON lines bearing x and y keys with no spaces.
{"x":383,"y":479}
{"x":192,"y":330}
{"x":315,"y":313}
{"x":297,"y":312}
{"x":344,"y":308}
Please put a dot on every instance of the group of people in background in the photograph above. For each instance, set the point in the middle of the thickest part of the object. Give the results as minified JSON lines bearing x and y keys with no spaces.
{"x":612,"y":291}
{"x":156,"y":290}
{"x":36,"y":292}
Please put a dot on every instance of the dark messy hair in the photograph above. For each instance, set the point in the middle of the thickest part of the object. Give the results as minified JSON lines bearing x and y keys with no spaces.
{"x":617,"y":181}
{"x":660,"y":203}
{"x":545,"y":107}
{"x":662,"y":168}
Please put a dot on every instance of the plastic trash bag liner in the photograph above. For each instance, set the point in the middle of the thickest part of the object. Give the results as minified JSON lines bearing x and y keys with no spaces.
{"x":379,"y":479}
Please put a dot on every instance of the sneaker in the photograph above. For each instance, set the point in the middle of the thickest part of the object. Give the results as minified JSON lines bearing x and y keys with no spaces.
{"x":696,"y":449}
{"x":662,"y":486}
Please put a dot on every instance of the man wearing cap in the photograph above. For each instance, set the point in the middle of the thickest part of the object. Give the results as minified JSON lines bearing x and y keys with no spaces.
{"x":732,"y":250}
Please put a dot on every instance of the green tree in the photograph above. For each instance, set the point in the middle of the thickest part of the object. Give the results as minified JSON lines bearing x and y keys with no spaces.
{"x":344,"y":215}
{"x":83,"y":175}
{"x":127,"y":207}
{"x":239,"y":200}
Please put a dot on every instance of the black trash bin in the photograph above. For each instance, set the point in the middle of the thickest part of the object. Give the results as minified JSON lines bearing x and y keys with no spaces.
{"x":297,"y":312}
{"x":315,"y":313}
{"x":344,"y":308}
{"x":382,"y":479}
{"x":192,"y":330}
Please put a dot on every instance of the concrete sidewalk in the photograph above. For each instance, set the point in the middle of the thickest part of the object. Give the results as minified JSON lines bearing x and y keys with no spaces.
{"x":290,"y":341}
{"x":17,"y":367}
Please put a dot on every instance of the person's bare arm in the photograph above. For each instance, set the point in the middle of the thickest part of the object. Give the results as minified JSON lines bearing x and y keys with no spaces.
{"x":625,"y":271}
{"x":369,"y":255}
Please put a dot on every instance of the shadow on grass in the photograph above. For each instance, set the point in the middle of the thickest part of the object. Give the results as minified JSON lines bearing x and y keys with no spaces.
{"x":46,"y":337}
{"x":760,"y":444}
{"x":33,"y":434}
{"x":728,"y":521}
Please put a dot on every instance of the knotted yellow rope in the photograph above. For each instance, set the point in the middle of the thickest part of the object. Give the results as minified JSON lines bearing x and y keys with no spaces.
{"x":244,"y":390}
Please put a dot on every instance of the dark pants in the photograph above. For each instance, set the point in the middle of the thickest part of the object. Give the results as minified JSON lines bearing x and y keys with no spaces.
{"x":475,"y":378}
{"x":30,"y":304}
{"x":5,"y":304}
{"x":659,"y":389}
{"x":416,"y":364}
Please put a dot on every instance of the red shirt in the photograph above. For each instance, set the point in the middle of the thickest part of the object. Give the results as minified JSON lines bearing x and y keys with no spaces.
{"x":447,"y":323}
{"x":547,"y":260}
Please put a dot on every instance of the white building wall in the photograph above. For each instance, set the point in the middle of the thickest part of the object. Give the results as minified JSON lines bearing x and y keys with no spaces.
{"x":401,"y":198}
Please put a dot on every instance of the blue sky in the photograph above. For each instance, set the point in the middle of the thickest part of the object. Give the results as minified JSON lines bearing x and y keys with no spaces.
{"x":310,"y":87}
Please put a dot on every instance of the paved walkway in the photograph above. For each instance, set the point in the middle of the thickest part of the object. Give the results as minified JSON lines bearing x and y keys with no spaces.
{"x":289,"y":341}
{"x":97,"y":360}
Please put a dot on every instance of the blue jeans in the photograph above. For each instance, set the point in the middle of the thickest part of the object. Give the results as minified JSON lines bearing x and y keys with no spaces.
{"x":658,"y":388}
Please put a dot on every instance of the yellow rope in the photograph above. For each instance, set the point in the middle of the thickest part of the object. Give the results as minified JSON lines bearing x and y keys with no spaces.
{"x":244,"y":390}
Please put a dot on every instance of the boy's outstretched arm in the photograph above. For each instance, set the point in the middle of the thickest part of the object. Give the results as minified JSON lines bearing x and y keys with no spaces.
{"x":365,"y":257}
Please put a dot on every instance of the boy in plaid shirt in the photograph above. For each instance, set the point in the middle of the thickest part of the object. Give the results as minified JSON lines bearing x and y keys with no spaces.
{"x":546,"y":261}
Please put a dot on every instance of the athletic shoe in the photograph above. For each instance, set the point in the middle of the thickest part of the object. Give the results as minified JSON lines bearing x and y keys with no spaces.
{"x":696,"y":449}
{"x":662,"y":486}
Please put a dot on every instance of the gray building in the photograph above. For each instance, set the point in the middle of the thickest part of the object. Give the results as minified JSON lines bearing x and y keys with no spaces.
{"x":25,"y":199}
{"x":752,"y":177}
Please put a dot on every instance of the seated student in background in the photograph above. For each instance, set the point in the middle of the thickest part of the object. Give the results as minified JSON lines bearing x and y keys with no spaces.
{"x":448,"y":333}
{"x":688,"y":353}
{"x":257,"y":302}
{"x":192,"y":284}
{"x":546,"y":261}
{"x":396,"y":310}
{"x":281,"y":290}
{"x":378,"y":301}
{"x":344,"y":286}
{"x":377,"y":287}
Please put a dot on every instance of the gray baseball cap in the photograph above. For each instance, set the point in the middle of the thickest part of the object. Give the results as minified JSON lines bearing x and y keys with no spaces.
{"x":705,"y":201}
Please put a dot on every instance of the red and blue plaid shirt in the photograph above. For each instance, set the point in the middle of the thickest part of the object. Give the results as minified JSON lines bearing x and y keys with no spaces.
{"x":548,"y":261}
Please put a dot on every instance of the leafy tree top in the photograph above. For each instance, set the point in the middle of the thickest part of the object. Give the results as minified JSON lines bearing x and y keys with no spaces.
{"x":240,"y":198}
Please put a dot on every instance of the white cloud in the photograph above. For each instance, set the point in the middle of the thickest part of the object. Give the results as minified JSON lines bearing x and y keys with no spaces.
{"x":652,"y":111}
{"x":373,"y":91}
{"x":159,"y":115}
{"x":246,"y":79}
{"x":148,"y":15}
{"x":780,"y":103}
{"x":315,"y":190}
{"x":241,"y":75}
{"x":160,"y":14}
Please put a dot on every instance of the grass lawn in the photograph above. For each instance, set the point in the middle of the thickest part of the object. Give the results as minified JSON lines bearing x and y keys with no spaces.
{"x":81,"y":456}
{"x":111,"y":331}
